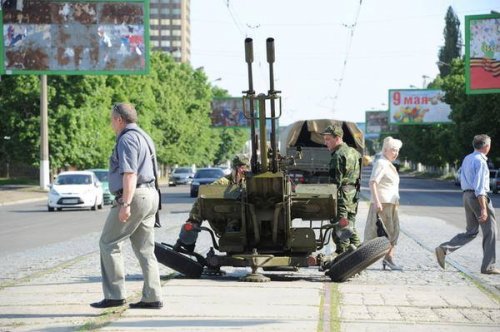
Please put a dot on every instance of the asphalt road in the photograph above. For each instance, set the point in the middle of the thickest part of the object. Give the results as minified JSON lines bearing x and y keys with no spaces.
{"x":30,"y":225}
{"x":25,"y":226}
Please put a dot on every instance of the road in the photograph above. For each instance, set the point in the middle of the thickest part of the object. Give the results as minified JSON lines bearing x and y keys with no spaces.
{"x":30,"y":225}
{"x":27,"y":226}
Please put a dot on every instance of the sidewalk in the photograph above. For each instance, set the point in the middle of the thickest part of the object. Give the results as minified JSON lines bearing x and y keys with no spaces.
{"x":50,"y":290}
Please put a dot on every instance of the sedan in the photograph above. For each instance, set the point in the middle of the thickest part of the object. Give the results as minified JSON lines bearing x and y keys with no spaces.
{"x":181,"y":175}
{"x":204,"y":176}
{"x":77,"y":189}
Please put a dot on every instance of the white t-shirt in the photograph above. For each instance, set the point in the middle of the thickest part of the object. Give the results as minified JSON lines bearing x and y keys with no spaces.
{"x":386,"y":177}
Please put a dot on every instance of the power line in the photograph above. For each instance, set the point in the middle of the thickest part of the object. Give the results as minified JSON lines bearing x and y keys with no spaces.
{"x":233,"y":17}
{"x":349,"y":44}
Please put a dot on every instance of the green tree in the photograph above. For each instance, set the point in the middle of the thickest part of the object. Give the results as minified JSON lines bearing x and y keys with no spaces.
{"x":452,"y":47}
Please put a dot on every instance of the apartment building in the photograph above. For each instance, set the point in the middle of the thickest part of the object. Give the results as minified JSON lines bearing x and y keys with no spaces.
{"x":170,"y":28}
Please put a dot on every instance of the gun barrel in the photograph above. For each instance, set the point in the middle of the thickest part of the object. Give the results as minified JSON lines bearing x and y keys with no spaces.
{"x":248,"y":50}
{"x":270,"y":49}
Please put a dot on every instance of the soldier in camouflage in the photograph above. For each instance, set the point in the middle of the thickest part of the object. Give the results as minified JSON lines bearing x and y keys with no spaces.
{"x":345,"y":172}
{"x":187,"y":240}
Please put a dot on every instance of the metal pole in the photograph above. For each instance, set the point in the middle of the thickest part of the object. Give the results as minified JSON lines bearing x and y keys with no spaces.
{"x":44,"y":135}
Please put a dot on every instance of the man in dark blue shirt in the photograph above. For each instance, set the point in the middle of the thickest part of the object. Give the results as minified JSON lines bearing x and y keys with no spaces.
{"x":479,"y":212}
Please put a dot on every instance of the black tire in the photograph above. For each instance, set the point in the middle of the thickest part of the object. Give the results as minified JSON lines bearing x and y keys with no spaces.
{"x":93,"y":208}
{"x":359,"y":259}
{"x":51,"y":209}
{"x":177,"y":261}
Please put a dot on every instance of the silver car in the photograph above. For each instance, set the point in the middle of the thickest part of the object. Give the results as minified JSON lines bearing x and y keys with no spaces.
{"x":181,"y":175}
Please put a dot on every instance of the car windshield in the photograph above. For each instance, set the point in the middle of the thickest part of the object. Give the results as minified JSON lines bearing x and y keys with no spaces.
{"x":209,"y":173}
{"x":102,"y":175}
{"x":182,"y":170}
{"x":69,"y":179}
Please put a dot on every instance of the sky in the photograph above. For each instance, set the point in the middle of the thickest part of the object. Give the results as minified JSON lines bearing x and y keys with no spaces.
{"x":335,"y":59}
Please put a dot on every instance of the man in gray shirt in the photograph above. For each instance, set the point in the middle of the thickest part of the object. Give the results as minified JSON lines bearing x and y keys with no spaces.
{"x":132,"y":216}
{"x":479,"y":212}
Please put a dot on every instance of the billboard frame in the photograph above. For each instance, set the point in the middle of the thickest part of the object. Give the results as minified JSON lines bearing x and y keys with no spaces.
{"x":146,"y":36}
{"x":468,"y":19}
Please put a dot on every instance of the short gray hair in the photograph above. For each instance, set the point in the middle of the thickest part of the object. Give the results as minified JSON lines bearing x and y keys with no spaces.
{"x":480,"y":141}
{"x":126,"y":111}
{"x":391,"y":143}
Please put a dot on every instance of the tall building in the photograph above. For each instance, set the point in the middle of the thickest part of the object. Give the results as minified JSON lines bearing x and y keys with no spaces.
{"x":170,"y":29}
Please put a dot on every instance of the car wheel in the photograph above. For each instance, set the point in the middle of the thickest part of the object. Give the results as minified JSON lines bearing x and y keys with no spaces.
{"x":359,"y":259}
{"x":51,"y":209}
{"x":93,"y":208}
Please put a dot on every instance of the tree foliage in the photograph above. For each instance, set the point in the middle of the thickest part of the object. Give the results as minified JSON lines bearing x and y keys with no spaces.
{"x":173,"y":104}
{"x":452,"y":47}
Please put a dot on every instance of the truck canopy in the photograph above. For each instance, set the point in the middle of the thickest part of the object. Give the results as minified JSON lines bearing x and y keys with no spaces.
{"x":306,"y":133}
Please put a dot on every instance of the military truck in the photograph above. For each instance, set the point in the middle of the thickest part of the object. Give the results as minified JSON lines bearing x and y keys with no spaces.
{"x":303,"y":138}
{"x":264,"y":224}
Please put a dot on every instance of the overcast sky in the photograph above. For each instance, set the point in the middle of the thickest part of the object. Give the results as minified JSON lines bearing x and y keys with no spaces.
{"x":334,"y":58}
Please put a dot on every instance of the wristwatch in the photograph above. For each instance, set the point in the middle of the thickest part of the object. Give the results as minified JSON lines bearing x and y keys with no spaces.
{"x":122,"y":203}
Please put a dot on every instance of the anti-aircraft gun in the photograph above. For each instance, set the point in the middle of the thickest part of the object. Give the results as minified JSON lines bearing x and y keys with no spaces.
{"x":272,"y":226}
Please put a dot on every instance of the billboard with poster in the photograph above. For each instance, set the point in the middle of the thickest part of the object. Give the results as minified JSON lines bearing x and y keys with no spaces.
{"x":74,"y":37}
{"x":413,"y":106}
{"x":228,"y":112}
{"x":377,"y":122}
{"x":482,"y":53}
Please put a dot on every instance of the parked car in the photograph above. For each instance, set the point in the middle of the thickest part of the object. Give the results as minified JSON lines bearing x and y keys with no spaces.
{"x":457,"y":176}
{"x":76,"y":189}
{"x":102,"y":174}
{"x":495,"y":180}
{"x":181,"y":175}
{"x":204,"y":176}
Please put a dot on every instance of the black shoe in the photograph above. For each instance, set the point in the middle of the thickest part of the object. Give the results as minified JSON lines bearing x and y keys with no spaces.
{"x":107,"y":303}
{"x":146,"y":305}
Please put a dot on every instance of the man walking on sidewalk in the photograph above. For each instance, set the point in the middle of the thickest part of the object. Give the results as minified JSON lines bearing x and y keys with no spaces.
{"x":475,"y":183}
{"x":132,"y":216}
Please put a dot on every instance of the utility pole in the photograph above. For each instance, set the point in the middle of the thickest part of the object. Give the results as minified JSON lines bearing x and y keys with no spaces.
{"x":44,"y":135}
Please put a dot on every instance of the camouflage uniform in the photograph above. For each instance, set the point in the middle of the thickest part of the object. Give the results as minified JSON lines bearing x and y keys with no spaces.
{"x":344,"y":172}
{"x":194,"y":214}
{"x":189,"y":242}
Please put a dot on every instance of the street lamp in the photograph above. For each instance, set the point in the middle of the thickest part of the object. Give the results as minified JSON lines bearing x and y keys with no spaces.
{"x":424,"y":84}
{"x":441,"y":63}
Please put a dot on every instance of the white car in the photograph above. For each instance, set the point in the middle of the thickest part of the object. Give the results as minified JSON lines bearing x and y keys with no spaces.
{"x":77,"y":189}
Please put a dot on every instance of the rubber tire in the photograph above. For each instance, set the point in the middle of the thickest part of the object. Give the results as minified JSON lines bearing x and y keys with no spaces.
{"x":93,"y":208}
{"x":51,"y":209}
{"x":177,"y":261}
{"x":359,"y":259}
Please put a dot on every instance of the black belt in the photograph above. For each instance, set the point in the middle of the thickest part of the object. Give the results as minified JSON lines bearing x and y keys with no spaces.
{"x":469,"y":191}
{"x":151,"y":184}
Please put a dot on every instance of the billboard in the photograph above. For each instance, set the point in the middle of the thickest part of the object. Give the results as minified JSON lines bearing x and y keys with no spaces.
{"x":415,"y":106}
{"x":377,"y":122}
{"x":228,"y":112}
{"x":74,"y":37}
{"x":482,"y":54}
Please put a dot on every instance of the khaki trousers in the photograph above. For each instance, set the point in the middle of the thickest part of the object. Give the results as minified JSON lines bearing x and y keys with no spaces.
{"x":489,"y":228}
{"x":139,"y":228}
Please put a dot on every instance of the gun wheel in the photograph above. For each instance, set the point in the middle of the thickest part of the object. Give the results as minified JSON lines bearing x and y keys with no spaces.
{"x":177,"y":261}
{"x":359,"y":259}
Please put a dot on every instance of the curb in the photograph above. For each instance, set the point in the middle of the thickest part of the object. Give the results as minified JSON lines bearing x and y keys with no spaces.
{"x":22,"y":201}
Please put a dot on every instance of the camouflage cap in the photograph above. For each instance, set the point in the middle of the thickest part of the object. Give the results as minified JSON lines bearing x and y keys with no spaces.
{"x":240,"y":161}
{"x":333,"y":130}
